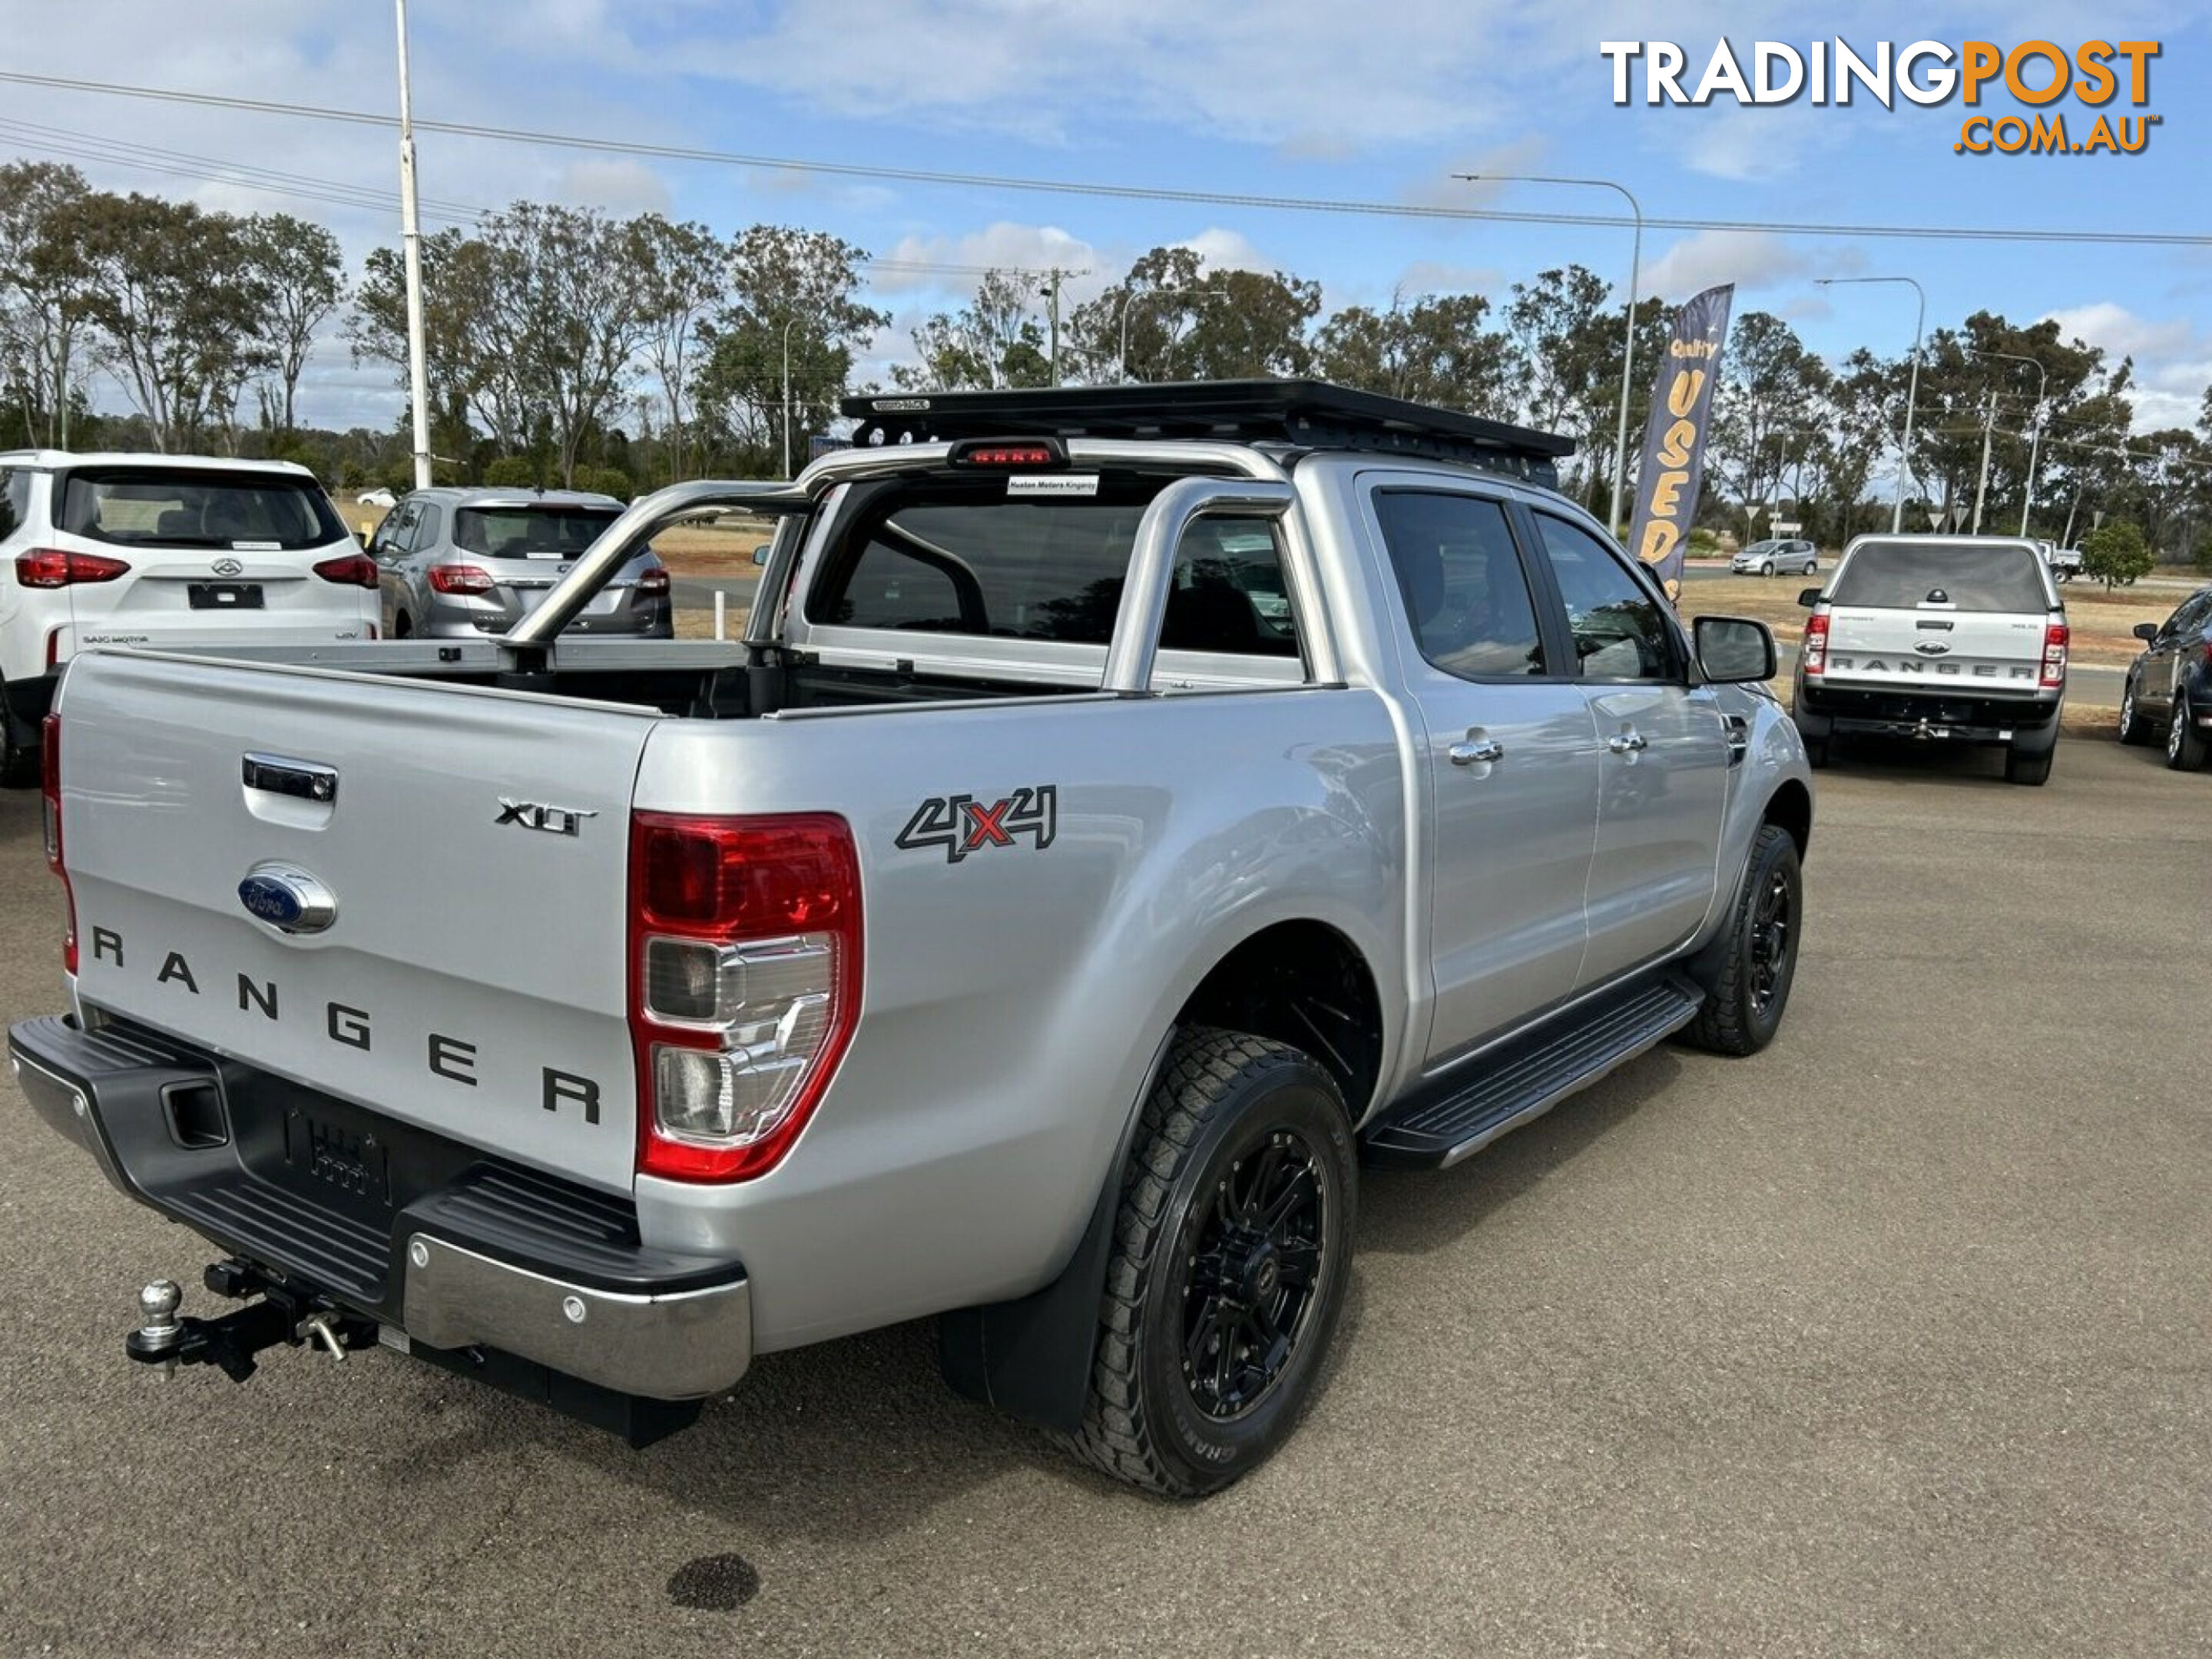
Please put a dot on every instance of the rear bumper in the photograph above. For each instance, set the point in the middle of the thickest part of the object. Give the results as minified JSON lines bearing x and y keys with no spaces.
{"x":1927,"y":715}
{"x":457,"y":1252}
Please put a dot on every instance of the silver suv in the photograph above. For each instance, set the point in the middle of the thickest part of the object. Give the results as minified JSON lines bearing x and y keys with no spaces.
{"x":456,"y":563}
{"x":1765,"y":558}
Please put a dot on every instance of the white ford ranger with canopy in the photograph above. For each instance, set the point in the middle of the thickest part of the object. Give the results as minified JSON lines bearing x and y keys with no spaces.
{"x":1950,"y":639}
{"x":1127,"y":811}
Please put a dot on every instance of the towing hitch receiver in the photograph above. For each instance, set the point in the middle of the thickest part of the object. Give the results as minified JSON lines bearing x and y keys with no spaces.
{"x":273,"y":1313}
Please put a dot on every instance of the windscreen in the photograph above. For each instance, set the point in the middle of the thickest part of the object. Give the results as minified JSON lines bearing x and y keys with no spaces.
{"x":164,"y":506}
{"x":962,"y":556}
{"x":522,"y":532}
{"x":1900,"y":575}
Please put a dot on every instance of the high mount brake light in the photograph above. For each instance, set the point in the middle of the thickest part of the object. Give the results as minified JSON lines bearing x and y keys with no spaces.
{"x":460,"y":579}
{"x":744,"y":975}
{"x":2055,"y":637}
{"x":1815,"y":648}
{"x":995,"y":453}
{"x":50,"y":567}
{"x":50,"y":790}
{"x":349,"y":570}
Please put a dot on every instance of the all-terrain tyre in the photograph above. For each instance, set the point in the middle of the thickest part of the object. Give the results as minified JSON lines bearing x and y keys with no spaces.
{"x":1231,"y":1251}
{"x":2033,"y":770}
{"x":1749,"y":987}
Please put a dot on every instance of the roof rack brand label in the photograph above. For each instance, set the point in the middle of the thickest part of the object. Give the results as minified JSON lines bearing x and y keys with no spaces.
{"x":1053,"y":483}
{"x":899,"y":405}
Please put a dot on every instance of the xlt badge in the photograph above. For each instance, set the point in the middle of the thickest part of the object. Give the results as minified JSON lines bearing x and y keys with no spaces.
{"x":534,"y":815}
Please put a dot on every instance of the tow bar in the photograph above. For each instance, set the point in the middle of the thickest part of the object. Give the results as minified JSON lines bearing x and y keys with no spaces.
{"x":283,"y":1314}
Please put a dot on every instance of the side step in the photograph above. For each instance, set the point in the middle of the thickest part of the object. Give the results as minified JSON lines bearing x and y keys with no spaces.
{"x":1528,"y":1076}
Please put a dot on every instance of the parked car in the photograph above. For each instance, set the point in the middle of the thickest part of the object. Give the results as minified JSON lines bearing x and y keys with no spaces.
{"x":378,"y":497}
{"x":1949,"y":639}
{"x":459,"y":563}
{"x":1766,"y":558}
{"x":171,"y":551}
{"x":1023,"y":924}
{"x":2065,"y":561}
{"x":2169,"y":686}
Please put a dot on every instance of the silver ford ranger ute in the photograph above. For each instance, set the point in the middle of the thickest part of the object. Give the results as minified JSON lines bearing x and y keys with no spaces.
{"x":1127,"y":812}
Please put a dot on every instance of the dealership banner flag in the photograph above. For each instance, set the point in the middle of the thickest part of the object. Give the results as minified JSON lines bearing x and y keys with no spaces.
{"x":1673,"y":461}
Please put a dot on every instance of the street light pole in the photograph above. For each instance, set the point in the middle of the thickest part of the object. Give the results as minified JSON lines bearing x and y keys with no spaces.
{"x":789,"y":320}
{"x":1912,"y":389}
{"x":2035,"y":431}
{"x":411,"y":240}
{"x":1628,"y":344}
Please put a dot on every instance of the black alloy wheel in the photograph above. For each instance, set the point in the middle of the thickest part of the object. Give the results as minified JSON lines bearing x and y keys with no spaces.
{"x":1252,"y":1275}
{"x":1773,"y":939}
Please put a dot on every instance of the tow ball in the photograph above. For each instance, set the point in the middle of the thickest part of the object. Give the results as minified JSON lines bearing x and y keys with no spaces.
{"x":273,"y":1312}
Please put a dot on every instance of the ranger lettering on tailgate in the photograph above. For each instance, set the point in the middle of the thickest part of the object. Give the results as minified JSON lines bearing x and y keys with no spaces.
{"x":448,"y":1057}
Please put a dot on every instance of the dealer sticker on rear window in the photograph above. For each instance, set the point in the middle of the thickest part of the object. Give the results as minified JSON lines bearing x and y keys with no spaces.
{"x":1053,"y":483}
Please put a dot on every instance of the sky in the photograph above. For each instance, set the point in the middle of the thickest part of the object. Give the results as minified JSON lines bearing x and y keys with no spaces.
{"x":1295,"y":97}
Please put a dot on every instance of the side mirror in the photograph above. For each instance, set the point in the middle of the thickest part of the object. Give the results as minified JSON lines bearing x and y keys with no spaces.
{"x":1809,"y":597}
{"x":760,"y":555}
{"x":1734,"y":650}
{"x":2146,"y":631}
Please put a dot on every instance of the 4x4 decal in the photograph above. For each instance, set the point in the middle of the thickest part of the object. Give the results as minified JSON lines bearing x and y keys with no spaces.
{"x":962,"y":824}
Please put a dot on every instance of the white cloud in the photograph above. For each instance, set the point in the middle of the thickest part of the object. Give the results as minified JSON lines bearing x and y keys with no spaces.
{"x":1226,"y":249}
{"x":2121,"y":332}
{"x":2173,"y":358}
{"x":1750,"y":259}
{"x":1004,"y":245}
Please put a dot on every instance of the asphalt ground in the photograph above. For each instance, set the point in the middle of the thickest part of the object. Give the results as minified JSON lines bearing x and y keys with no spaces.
{"x":1894,"y":1340}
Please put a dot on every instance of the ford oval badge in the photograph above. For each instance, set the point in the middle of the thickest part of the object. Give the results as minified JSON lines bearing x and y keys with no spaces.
{"x":288,"y":898}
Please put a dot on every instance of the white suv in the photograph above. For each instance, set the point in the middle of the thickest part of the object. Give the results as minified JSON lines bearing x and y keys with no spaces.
{"x":167,"y":551}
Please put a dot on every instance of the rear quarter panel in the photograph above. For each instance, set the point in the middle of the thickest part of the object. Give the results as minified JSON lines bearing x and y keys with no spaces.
{"x":1014,"y":997}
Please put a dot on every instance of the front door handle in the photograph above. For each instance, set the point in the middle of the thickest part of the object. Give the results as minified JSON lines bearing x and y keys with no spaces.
{"x":1476,"y":750}
{"x":1628,"y":742}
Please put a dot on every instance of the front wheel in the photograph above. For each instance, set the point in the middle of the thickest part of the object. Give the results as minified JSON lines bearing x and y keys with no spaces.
{"x":1231,"y":1251}
{"x":1758,"y":961}
{"x":2185,"y":745}
{"x":1766,"y":569}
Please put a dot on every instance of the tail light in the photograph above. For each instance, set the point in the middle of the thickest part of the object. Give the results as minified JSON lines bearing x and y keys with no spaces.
{"x":2055,"y":639}
{"x":350,"y":570}
{"x":50,"y":787}
{"x":653,"y":582}
{"x":50,"y":567}
{"x":744,"y":969}
{"x":1814,"y":654}
{"x":460,"y":579}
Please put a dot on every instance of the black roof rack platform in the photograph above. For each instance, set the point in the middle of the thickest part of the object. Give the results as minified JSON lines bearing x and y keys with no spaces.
{"x":1306,"y":414}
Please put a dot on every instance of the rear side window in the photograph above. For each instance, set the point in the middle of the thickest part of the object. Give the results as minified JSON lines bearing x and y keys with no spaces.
{"x":1467,"y":597}
{"x":523,"y":533}
{"x":165,"y":507}
{"x":15,"y":500}
{"x":1900,"y":575}
{"x":959,"y":555}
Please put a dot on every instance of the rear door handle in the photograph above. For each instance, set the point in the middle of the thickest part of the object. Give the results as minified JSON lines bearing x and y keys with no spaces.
{"x":1628,"y":742}
{"x":1476,"y":750}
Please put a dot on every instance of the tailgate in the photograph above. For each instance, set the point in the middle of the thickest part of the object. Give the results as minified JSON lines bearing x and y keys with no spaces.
{"x":472,"y":981}
{"x":1990,"y":653}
